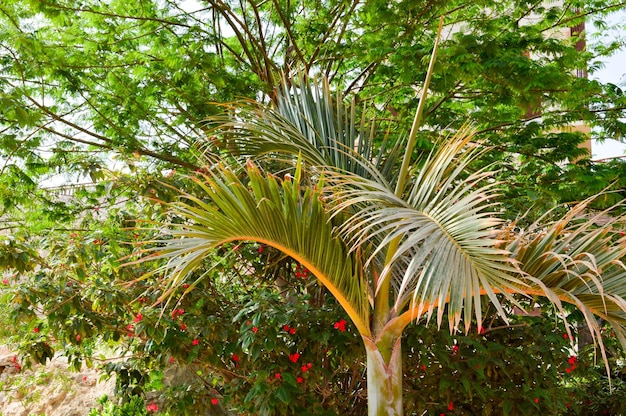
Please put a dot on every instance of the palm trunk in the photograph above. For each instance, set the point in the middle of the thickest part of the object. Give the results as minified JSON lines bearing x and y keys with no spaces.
{"x":384,"y":380}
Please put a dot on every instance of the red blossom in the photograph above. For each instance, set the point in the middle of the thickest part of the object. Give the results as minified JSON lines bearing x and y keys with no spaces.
{"x":5,"y":282}
{"x":183,"y":327}
{"x":286,"y":328}
{"x":214,"y":401}
{"x":235,"y":358}
{"x":571,"y":360}
{"x":78,"y":338}
{"x":292,"y":331}
{"x":195,"y":342}
{"x":294,"y":357}
{"x":277,"y":376}
{"x":450,"y":406}
{"x":260,"y":250}
{"x":177,"y":312}
{"x":172,"y":359}
{"x":255,"y":329}
{"x":36,"y":330}
{"x":455,"y":349}
{"x":537,"y":400}
{"x":565,"y":336}
{"x":138,"y":318}
{"x":152,"y":407}
{"x":340,"y":325}
{"x":309,"y":365}
{"x":185,"y":285}
{"x":130,"y":327}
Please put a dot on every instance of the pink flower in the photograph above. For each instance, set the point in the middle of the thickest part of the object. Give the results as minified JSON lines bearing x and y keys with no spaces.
{"x":5,"y":282}
{"x":340,"y":325}
{"x":78,"y":338}
{"x":152,"y":407}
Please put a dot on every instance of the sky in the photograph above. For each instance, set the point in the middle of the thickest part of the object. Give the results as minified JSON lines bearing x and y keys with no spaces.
{"x":614,"y":71}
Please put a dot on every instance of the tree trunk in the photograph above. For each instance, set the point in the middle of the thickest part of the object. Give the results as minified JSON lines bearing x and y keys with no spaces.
{"x":384,"y":380}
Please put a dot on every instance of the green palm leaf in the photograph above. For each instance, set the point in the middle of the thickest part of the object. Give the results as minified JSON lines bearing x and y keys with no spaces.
{"x":282,"y":214}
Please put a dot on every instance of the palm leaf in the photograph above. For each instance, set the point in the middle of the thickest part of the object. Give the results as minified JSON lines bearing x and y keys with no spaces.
{"x":578,"y":260}
{"x":281,"y":214}
{"x":447,"y":252}
{"x":310,"y":122}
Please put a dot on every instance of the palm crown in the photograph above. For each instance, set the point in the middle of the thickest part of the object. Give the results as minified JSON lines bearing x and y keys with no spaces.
{"x":391,"y":244}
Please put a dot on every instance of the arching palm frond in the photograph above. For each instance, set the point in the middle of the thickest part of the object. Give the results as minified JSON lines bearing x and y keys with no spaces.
{"x":310,"y":122}
{"x":278,"y":213}
{"x":447,"y":252}
{"x":579,"y":261}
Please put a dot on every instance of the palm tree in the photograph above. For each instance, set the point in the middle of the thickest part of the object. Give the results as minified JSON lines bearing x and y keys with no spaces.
{"x":395,"y":240}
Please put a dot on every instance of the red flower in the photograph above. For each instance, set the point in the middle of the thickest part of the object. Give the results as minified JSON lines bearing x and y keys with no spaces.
{"x":78,"y":338}
{"x":292,"y":331}
{"x":299,"y":380}
{"x":177,"y":312}
{"x":451,"y":406}
{"x":255,"y":329}
{"x":185,"y":285}
{"x":172,"y":359}
{"x":286,"y":328}
{"x":294,"y":357}
{"x":568,"y":370}
{"x":537,"y":400}
{"x":277,"y":376}
{"x":305,"y":368}
{"x":183,"y":327}
{"x":214,"y":401}
{"x":571,"y":360}
{"x":565,"y":336}
{"x":260,"y":250}
{"x":138,"y":318}
{"x":340,"y":325}
{"x":36,"y":330}
{"x":455,"y":349}
{"x":5,"y":282}
{"x":152,"y":407}
{"x":195,"y":342}
{"x":235,"y":358}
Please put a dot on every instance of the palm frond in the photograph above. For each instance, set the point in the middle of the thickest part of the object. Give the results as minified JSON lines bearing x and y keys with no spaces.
{"x":578,"y":260}
{"x":448,"y":252}
{"x":308,"y":121}
{"x":281,"y":214}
